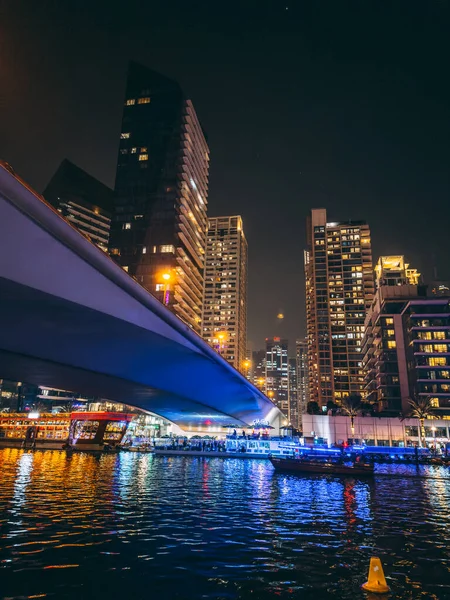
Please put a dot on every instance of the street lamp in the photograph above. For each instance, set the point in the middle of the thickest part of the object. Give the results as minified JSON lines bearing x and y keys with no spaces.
{"x":433,"y":429}
{"x":221,"y":337}
{"x":166,"y":277}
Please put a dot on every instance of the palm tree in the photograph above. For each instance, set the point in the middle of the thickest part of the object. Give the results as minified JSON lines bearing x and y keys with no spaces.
{"x":421,"y":408}
{"x":352,"y":406}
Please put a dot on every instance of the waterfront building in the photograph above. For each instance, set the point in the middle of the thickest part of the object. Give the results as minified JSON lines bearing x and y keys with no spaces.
{"x":294,"y":410}
{"x":277,"y":378}
{"x":406,"y":343}
{"x":384,"y":349}
{"x":339,"y":291}
{"x":301,"y":350}
{"x":374,"y":431}
{"x":224,"y":322}
{"x":83,"y":201}
{"x":426,"y":326}
{"x":158,"y":233}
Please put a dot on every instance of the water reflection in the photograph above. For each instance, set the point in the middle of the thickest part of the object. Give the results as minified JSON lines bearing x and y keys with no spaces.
{"x":186,"y":527}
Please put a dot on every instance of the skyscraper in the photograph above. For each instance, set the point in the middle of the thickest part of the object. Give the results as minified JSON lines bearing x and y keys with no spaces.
{"x":406,"y":342}
{"x":339,"y":290}
{"x":293,"y":414}
{"x":158,"y":232}
{"x":277,"y":379}
{"x":301,"y":351}
{"x":225,"y":289}
{"x":83,"y":200}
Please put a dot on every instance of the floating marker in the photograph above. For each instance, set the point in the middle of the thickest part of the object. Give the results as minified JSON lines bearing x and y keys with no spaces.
{"x":376,"y":582}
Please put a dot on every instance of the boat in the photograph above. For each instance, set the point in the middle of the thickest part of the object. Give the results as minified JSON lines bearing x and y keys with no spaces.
{"x":311,"y":465}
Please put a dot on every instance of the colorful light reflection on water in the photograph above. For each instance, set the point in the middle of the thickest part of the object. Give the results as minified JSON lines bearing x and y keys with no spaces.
{"x":138,"y":526}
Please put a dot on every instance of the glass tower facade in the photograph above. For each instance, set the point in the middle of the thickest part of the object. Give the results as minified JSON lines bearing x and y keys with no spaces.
{"x":158,"y":233}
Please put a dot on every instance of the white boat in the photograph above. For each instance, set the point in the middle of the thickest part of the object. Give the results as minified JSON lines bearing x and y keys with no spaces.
{"x":261,"y":448}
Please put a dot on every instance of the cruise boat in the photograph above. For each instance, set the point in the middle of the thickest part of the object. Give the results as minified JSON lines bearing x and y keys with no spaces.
{"x":76,"y":430}
{"x":262,"y":446}
{"x":321,"y":465}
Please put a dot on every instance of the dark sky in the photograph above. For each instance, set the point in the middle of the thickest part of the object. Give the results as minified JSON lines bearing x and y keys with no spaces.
{"x":342,"y":105}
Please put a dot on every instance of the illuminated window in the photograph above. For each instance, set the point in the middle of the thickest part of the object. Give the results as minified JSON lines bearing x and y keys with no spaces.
{"x":126,"y":226}
{"x":434,"y":402}
{"x":439,"y":335}
{"x":144,"y":101}
{"x":124,"y":136}
{"x":391,"y":344}
{"x":130,"y":102}
{"x":154,"y":249}
{"x":115,"y":251}
{"x":143,"y":156}
{"x":144,"y":150}
{"x":440,"y":348}
{"x":144,"y":250}
{"x":133,"y":150}
{"x":159,"y":287}
{"x":389,"y":321}
{"x":437,"y":361}
{"x":125,"y":269}
{"x":167,"y":249}
{"x":390,"y":332}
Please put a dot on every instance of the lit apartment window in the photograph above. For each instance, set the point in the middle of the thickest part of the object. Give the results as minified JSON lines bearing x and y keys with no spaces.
{"x":115,"y":251}
{"x":159,"y":287}
{"x":138,"y":216}
{"x":133,"y":150}
{"x":144,"y":250}
{"x":390,"y":332}
{"x":391,"y":344}
{"x":436,"y":361}
{"x":144,"y":150}
{"x":143,"y":156}
{"x":126,"y":226}
{"x":124,"y":136}
{"x":125,"y":269}
{"x":434,"y":402}
{"x":144,"y":101}
{"x":440,"y":348}
{"x":439,"y":335}
{"x":167,"y":249}
{"x":130,"y":102}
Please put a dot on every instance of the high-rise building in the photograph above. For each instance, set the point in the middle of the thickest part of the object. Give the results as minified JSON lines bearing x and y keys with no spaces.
{"x":158,"y":232}
{"x":293,"y":412}
{"x":407,"y":342}
{"x":301,"y":351}
{"x":83,"y":200}
{"x":384,"y":346}
{"x":277,"y":379}
{"x":339,"y":291}
{"x":225,"y":290}
{"x":259,"y":369}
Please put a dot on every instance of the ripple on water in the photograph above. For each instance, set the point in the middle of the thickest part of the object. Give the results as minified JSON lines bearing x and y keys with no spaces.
{"x":191,"y":527}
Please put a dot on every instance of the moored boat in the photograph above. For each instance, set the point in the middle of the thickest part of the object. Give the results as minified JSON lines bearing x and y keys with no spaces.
{"x":300,"y":465}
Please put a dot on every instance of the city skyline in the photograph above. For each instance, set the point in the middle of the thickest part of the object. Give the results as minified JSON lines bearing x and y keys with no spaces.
{"x":318,"y":159}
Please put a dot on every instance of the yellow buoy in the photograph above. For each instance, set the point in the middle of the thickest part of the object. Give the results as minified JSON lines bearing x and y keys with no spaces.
{"x":376,"y":582}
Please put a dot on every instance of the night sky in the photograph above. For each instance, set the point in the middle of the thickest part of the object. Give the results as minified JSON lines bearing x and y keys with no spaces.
{"x":342,"y":105}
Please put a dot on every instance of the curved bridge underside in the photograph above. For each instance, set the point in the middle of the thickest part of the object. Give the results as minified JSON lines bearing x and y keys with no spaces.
{"x":70,"y":318}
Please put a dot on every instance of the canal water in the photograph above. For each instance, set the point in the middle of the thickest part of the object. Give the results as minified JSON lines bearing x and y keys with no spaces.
{"x":138,"y":526}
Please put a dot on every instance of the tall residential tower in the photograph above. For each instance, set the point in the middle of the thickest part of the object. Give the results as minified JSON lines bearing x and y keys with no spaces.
{"x":158,"y":232}
{"x":339,"y":291}
{"x":277,"y":373}
{"x":225,"y":289}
